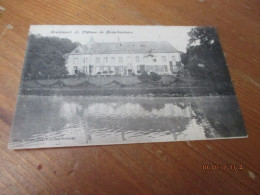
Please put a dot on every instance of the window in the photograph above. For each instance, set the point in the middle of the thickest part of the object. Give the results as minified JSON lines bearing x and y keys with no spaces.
{"x":148,"y":68}
{"x":105,"y":71}
{"x":156,"y":68}
{"x":137,"y":59}
{"x":97,"y":60}
{"x":75,"y":61}
{"x":164,"y":58}
{"x":173,"y":58}
{"x":154,"y":60}
{"x":98,"y":69}
{"x":117,"y":70}
{"x":165,"y":68}
{"x":160,"y":68}
{"x":105,"y":59}
{"x":142,"y":68}
{"x":120,"y":59}
{"x":86,"y":60}
{"x":111,"y":70}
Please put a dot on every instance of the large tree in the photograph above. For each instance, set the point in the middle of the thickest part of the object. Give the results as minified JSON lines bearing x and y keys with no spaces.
{"x":204,"y":57}
{"x":45,"y":59}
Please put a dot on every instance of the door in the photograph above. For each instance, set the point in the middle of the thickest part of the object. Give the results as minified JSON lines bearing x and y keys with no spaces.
{"x":129,"y":72}
{"x":90,"y":69}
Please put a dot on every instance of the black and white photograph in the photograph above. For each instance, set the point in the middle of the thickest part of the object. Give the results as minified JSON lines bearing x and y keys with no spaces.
{"x":99,"y":85}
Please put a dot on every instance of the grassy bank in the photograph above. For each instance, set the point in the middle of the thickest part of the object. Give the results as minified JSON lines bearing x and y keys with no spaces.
{"x":162,"y":92}
{"x":124,"y":86}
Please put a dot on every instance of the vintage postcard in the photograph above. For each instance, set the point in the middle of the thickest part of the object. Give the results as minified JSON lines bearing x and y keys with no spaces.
{"x":100,"y":85}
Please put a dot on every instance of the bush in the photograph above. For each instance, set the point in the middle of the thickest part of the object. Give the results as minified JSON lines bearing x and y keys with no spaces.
{"x":81,"y":74}
{"x":178,"y":64}
{"x":145,"y":77}
{"x":154,"y":76}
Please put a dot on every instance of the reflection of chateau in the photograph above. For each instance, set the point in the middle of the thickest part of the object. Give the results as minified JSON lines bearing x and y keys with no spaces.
{"x":142,"y":117}
{"x":124,"y":58}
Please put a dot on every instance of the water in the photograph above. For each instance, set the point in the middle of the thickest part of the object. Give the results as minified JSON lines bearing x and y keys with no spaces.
{"x":52,"y":121}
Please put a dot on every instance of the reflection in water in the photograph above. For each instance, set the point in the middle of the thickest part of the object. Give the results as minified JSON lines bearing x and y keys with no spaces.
{"x":49,"y":121}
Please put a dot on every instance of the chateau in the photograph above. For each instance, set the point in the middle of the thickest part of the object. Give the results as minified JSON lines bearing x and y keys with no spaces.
{"x":124,"y":58}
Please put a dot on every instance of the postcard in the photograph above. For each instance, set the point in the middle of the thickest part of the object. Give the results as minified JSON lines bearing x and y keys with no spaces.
{"x":100,"y":85}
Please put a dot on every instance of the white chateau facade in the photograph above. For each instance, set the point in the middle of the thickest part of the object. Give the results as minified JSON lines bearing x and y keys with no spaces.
{"x":124,"y":58}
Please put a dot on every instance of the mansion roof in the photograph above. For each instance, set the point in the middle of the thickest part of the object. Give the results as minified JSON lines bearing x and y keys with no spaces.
{"x":125,"y":47}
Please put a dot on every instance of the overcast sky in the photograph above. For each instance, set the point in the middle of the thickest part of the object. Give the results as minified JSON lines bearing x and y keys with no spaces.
{"x":176,"y":35}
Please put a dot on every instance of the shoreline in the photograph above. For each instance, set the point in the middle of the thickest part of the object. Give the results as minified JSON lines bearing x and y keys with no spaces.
{"x":147,"y":92}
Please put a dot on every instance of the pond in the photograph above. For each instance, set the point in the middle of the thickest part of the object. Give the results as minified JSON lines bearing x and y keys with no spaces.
{"x":55,"y":121}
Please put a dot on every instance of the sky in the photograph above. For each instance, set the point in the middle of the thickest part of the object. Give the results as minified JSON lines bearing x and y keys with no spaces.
{"x":176,"y":35}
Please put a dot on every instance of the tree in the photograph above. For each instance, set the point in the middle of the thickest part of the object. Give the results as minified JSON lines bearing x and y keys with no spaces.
{"x":204,"y":57}
{"x":45,"y":59}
